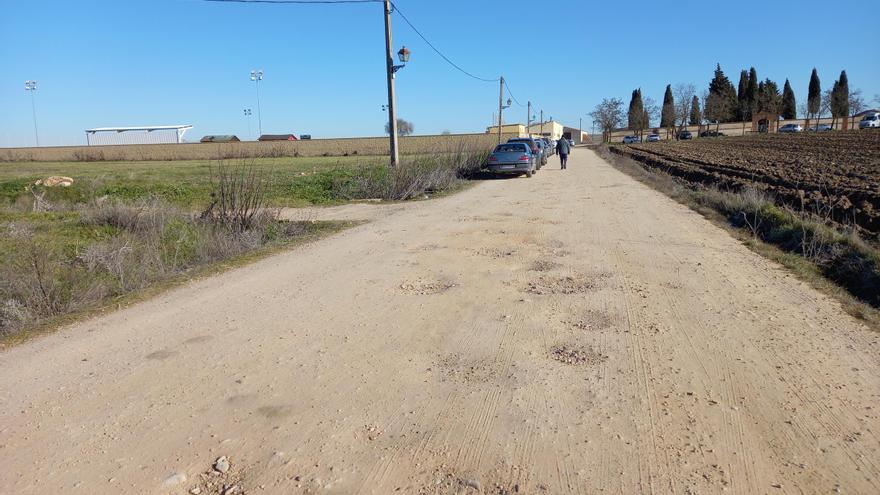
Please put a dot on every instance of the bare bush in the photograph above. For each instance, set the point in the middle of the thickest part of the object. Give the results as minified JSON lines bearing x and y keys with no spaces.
{"x":238,"y":197}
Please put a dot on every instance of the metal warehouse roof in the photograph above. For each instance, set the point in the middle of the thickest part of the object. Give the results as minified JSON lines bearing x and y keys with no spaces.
{"x":147,"y":128}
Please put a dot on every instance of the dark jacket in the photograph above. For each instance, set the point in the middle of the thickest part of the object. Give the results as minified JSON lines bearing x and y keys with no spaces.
{"x":562,"y":147}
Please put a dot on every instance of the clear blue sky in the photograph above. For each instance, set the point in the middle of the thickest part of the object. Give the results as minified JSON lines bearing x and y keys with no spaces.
{"x":153,"y":62}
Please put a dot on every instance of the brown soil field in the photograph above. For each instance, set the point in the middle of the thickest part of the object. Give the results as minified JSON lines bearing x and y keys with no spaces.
{"x":801,"y":170}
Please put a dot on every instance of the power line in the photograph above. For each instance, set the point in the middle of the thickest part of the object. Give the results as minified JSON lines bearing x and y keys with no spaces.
{"x":450,"y":62}
{"x":509,"y":92}
{"x":294,"y":1}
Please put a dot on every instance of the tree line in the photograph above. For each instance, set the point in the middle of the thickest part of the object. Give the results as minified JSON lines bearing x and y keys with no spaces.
{"x":722,"y":103}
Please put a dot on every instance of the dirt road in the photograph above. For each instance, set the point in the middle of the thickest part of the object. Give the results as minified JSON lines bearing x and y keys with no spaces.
{"x":571,"y":333}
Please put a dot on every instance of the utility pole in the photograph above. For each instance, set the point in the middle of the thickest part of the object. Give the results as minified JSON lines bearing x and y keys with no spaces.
{"x":256,"y":77}
{"x":392,"y":99}
{"x":542,"y":123}
{"x":500,"y":108}
{"x":581,"y":127}
{"x":529,"y":120}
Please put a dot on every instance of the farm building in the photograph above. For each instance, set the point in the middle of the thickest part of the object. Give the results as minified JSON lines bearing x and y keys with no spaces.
{"x":517,"y":129}
{"x":160,"y":134}
{"x":550,"y":129}
{"x":220,"y":139}
{"x":277,"y":137}
{"x":577,"y":135}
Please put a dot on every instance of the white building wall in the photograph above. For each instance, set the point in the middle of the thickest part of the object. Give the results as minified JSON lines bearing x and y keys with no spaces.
{"x":158,"y":136}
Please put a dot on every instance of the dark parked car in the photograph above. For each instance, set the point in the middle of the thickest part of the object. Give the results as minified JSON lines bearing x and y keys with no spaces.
{"x":550,"y":145}
{"x":536,"y":149}
{"x":711,"y":134}
{"x":685,"y":135}
{"x":513,"y":158}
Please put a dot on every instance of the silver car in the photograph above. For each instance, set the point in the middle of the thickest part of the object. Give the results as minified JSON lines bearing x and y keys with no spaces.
{"x":870,"y":120}
{"x":513,"y":158}
{"x":631,"y":139}
{"x":653,"y":138}
{"x":790,"y":128}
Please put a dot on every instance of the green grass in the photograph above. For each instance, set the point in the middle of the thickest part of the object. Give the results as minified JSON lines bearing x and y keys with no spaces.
{"x":291,"y":181}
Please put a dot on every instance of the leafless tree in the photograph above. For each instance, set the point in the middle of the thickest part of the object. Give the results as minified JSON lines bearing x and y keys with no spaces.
{"x":856,"y":104}
{"x":609,"y":115}
{"x":684,"y":96}
{"x":653,"y":111}
{"x":404,"y":127}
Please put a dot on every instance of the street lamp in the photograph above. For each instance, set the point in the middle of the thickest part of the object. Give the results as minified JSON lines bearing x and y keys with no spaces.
{"x":403,"y":56}
{"x":31,"y":86}
{"x":247,"y":114}
{"x":256,"y":77}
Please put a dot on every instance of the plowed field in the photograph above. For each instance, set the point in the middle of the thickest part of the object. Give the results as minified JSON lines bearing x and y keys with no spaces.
{"x":823,"y":168}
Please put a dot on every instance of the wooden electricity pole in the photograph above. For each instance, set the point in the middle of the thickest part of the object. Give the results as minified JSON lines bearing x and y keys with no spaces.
{"x":392,"y":106}
{"x":500,"y":108}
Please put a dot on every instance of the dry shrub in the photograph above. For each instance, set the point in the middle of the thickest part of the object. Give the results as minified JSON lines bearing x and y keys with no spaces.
{"x":238,"y":198}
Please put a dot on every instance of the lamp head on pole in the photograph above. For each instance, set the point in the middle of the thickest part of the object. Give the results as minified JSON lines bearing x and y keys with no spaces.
{"x":403,"y":55}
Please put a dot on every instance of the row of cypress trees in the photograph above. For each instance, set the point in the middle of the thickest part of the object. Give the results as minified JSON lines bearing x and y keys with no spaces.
{"x":726,"y":103}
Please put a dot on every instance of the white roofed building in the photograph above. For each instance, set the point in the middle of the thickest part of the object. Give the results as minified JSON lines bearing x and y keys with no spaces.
{"x":159,"y":134}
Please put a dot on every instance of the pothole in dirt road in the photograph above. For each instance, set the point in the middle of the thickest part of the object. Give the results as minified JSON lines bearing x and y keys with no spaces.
{"x":161,"y":355}
{"x":454,"y":368}
{"x":578,"y":283}
{"x":446,"y":482}
{"x":577,"y":355}
{"x":496,"y":253}
{"x":544,"y":266}
{"x":592,"y":320}
{"x":426,"y":287}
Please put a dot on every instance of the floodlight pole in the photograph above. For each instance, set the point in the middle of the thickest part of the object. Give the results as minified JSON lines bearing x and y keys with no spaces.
{"x":256,"y":77}
{"x":31,"y":86}
{"x":392,"y":98}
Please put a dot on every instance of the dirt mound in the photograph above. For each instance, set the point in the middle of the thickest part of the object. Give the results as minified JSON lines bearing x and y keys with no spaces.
{"x":570,"y":284}
{"x":426,"y":288}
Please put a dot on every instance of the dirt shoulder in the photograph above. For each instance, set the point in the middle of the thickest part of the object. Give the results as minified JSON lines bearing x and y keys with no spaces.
{"x":575,"y":332}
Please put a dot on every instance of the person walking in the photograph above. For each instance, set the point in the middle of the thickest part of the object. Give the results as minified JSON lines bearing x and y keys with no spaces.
{"x":563,"y":147}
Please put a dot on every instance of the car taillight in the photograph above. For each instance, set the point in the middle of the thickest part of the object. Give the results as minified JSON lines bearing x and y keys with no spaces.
{"x":524,"y":158}
{"x":493,"y":158}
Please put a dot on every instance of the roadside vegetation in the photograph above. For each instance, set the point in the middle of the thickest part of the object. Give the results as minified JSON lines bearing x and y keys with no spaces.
{"x":123,"y":228}
{"x":810,"y":241}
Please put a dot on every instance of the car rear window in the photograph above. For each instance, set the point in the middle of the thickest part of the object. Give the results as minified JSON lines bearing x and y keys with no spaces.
{"x":510,"y":147}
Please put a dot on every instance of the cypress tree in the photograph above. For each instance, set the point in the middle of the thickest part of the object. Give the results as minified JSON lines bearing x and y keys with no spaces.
{"x":834,"y":103}
{"x":696,"y":118}
{"x":667,"y":115}
{"x":789,"y":105}
{"x":741,"y":95}
{"x":768,"y":97}
{"x":814,"y":97}
{"x":752,"y":93}
{"x":723,"y":96}
{"x":843,"y":95}
{"x":636,"y":114}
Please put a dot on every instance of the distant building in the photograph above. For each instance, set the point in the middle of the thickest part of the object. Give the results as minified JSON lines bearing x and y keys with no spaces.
{"x":277,"y":137}
{"x":516,"y":129}
{"x":226,"y":138}
{"x":577,"y":135}
{"x":160,"y":134}
{"x":549,"y":129}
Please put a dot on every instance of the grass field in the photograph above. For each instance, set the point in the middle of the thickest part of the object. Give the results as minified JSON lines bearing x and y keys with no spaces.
{"x":290,"y":181}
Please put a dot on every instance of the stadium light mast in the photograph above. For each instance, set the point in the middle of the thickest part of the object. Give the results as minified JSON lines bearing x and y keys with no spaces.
{"x":247,"y":114}
{"x":31,"y":86}
{"x":256,"y":77}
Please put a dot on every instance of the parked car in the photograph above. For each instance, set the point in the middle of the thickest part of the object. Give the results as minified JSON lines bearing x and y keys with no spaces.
{"x":653,"y":138}
{"x":570,"y":141}
{"x":711,"y":134}
{"x":870,"y":120}
{"x":513,"y":158}
{"x":820,"y":128}
{"x":550,"y":145}
{"x":685,"y":135}
{"x":791,"y":128}
{"x":536,"y":150}
{"x":545,"y":153}
{"x":631,"y":139}
{"x":305,"y":137}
